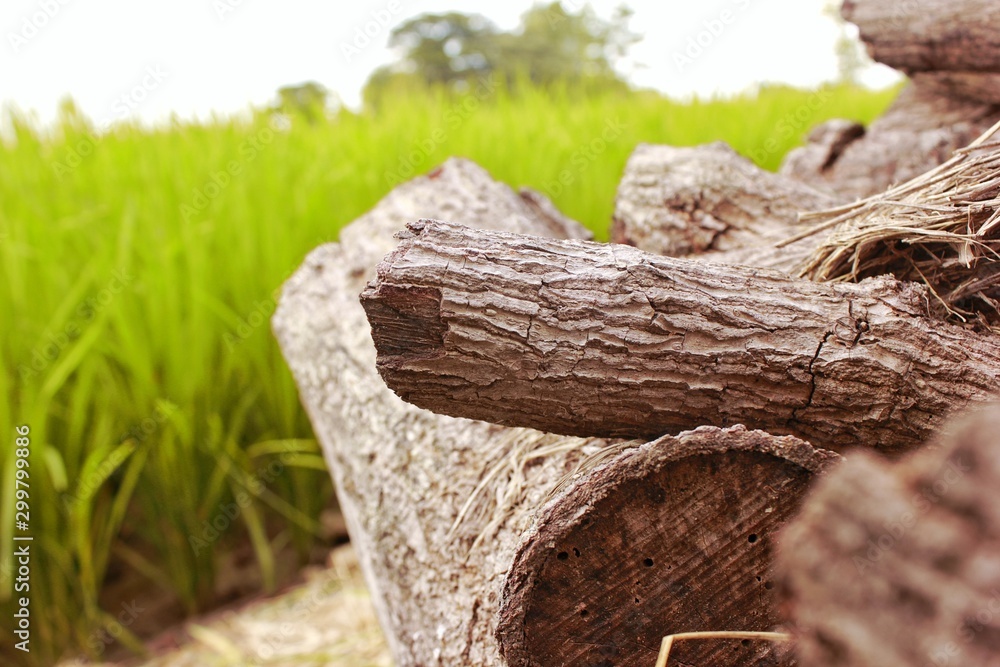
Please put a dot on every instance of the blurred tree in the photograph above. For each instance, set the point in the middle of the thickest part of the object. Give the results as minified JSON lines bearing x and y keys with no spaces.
{"x":852,"y":58}
{"x":307,"y":100}
{"x":444,"y":48}
{"x":550,"y":45}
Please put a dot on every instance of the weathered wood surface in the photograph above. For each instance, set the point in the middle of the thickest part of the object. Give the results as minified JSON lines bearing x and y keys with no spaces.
{"x":591,"y":339}
{"x":951,"y":51}
{"x":824,"y":145}
{"x":446,"y":514}
{"x":898,"y":565}
{"x":403,"y":474}
{"x":921,"y":130}
{"x":674,"y":536}
{"x":981,"y":87}
{"x":711,"y":201}
{"x":929,"y":35}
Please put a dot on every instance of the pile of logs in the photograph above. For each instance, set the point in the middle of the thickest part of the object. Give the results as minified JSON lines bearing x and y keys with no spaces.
{"x":552,"y":451}
{"x":951,"y":53}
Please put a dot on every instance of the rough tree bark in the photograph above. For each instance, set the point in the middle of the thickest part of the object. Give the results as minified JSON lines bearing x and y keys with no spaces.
{"x":585,"y":338}
{"x":711,"y":201}
{"x":899,"y":565}
{"x":929,"y":35}
{"x":402,"y":474}
{"x":439,"y":508}
{"x":952,"y":53}
{"x":919,"y":131}
{"x":824,"y":145}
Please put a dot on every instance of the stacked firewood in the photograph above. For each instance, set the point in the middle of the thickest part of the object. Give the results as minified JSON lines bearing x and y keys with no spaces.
{"x":552,"y":451}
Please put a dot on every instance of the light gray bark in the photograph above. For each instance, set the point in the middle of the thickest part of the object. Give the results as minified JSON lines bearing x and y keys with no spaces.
{"x":899,"y":565}
{"x":605,"y":340}
{"x":403,"y":474}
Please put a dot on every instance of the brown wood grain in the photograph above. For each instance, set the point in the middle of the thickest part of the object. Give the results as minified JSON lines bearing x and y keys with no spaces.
{"x":593,"y":339}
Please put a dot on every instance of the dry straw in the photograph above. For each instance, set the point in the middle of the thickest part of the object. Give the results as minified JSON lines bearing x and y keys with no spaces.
{"x":941,"y":228}
{"x":668,"y":641}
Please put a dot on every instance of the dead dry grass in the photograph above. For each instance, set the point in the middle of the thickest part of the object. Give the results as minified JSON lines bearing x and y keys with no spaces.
{"x":941,"y":228}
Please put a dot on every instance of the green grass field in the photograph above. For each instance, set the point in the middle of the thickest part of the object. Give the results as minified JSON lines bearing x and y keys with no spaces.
{"x":140,"y":268}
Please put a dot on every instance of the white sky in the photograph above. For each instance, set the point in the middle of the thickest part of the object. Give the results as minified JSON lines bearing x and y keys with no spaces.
{"x":145,"y":58}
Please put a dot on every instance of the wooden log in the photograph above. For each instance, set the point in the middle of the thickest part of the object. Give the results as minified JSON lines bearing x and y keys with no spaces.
{"x":929,"y":35}
{"x":439,"y":508}
{"x":976,"y":87}
{"x":673,"y":536}
{"x":403,"y":474}
{"x":711,"y":201}
{"x":589,"y":339}
{"x":921,"y":130}
{"x":824,"y":145}
{"x":898,"y":565}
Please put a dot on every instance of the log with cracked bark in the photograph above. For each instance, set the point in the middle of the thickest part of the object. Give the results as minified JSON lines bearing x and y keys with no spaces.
{"x":929,"y":35}
{"x":604,"y":340}
{"x":452,"y":518}
{"x":899,"y":564}
{"x":711,"y":201}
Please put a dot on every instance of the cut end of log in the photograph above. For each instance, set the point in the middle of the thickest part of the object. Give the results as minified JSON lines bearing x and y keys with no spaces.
{"x":672,"y":536}
{"x":410,"y":316}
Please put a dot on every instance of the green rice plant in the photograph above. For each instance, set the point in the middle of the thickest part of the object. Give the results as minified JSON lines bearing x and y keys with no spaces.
{"x":140,"y":267}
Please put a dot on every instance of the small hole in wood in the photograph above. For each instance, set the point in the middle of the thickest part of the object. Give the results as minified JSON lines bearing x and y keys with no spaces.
{"x":584,"y":613}
{"x":768,"y":585}
{"x":637,"y":600}
{"x":745,"y":642}
{"x":648,"y":562}
{"x":576,"y":552}
{"x":752,"y":538}
{"x":562,"y":555}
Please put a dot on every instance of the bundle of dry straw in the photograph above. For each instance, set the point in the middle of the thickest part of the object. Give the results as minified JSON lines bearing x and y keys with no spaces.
{"x":941,"y":228}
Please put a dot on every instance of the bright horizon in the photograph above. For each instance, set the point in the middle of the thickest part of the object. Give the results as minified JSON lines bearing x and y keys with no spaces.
{"x":194,"y":58}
